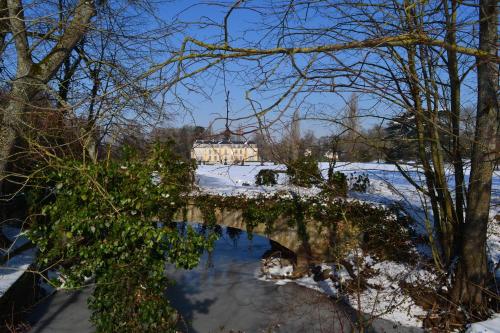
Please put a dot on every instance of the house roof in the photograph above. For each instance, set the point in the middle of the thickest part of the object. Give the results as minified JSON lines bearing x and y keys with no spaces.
{"x":224,"y":142}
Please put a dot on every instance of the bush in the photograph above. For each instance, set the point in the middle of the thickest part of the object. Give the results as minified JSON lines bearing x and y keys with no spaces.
{"x":304,"y":172}
{"x":359,"y":183}
{"x":102,"y":221}
{"x":266,"y":177}
{"x":336,"y":184}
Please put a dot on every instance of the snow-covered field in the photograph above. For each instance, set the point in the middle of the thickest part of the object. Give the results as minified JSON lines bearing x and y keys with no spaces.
{"x":387,"y":186}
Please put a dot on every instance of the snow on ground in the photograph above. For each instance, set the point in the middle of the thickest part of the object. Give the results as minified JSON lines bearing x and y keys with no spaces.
{"x":494,"y":246}
{"x":14,"y":267}
{"x":387,"y":186}
{"x":383,"y":298}
{"x":488,"y":326}
{"x":387,"y":300}
{"x":234,"y":180}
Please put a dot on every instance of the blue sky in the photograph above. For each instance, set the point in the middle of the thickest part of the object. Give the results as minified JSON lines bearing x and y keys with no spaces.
{"x":206,"y":108}
{"x":209,"y":105}
{"x":206,"y":102}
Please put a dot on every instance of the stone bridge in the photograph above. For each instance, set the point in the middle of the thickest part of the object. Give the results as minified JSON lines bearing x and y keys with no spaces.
{"x":307,"y":240}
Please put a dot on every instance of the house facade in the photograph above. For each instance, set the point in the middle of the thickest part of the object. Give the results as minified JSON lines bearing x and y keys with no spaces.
{"x":224,"y":151}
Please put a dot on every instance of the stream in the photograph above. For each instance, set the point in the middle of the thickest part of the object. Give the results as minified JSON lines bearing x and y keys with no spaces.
{"x":224,"y":294}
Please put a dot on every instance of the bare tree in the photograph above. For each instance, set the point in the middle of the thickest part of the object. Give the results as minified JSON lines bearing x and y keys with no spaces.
{"x":351,"y":123}
{"x":472,"y":270}
{"x":31,"y":75}
{"x":413,"y":56}
{"x":294,"y":141}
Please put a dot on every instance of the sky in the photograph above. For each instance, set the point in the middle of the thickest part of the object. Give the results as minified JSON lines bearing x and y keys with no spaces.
{"x":205,"y":108}
{"x":244,"y":26}
{"x":204,"y":96}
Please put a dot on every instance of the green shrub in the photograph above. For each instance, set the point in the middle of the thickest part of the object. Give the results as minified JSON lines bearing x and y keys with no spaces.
{"x":336,"y":184}
{"x":304,"y":172}
{"x":103,"y":222}
{"x":359,"y":183}
{"x":266,"y":177}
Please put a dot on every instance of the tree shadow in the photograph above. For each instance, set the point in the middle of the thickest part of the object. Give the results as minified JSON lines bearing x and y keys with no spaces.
{"x":178,"y":295}
{"x":56,"y":310}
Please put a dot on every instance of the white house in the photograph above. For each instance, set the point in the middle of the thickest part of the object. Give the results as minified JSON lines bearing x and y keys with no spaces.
{"x":224,"y":151}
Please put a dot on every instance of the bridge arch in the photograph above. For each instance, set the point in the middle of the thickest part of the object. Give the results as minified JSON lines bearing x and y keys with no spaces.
{"x":313,"y":248}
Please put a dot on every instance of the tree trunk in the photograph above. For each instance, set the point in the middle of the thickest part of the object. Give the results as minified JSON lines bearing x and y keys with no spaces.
{"x":447,"y":216}
{"x":8,"y":136}
{"x":452,"y":64}
{"x":472,"y":271}
{"x":31,"y":77}
{"x":10,"y":123}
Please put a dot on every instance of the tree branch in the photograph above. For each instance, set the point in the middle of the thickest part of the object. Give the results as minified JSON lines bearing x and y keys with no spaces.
{"x":18,"y":28}
{"x":46,"y":68}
